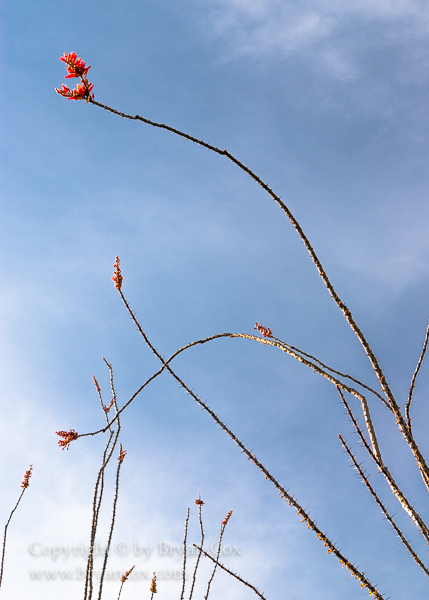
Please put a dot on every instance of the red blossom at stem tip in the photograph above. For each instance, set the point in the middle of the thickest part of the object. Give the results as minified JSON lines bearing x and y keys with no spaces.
{"x":69,"y":436}
{"x":153,"y":585}
{"x":227,"y":518}
{"x":117,"y":277}
{"x":266,"y":331}
{"x":122,"y":456}
{"x":199,"y":502}
{"x":76,"y":67}
{"x":108,"y":407}
{"x":125,"y":577}
{"x":27,"y":476}
{"x":97,"y":387}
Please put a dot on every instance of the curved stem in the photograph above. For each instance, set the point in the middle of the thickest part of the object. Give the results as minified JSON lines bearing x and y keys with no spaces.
{"x":403,"y":426}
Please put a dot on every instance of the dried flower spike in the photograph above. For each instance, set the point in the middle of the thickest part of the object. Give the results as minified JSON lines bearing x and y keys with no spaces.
{"x":27,"y":476}
{"x":69,"y":436}
{"x":117,"y":277}
{"x":96,"y":384}
{"x":266,"y":331}
{"x":127,"y":573}
{"x":153,"y":584}
{"x":227,"y":518}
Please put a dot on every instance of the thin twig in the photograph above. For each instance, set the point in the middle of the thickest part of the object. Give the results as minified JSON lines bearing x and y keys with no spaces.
{"x":112,"y":524}
{"x":257,"y":592}
{"x":182,"y":595}
{"x":96,"y":503}
{"x":397,"y":492}
{"x":383,"y":508}
{"x":98,"y":495}
{"x":219,"y":545}
{"x":328,"y":368}
{"x":24,"y":485}
{"x":194,"y":577}
{"x":413,"y":380}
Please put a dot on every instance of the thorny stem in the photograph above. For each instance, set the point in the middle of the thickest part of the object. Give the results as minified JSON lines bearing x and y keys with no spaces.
{"x":194,"y":577}
{"x":413,"y":380}
{"x":96,"y":503}
{"x":292,"y":351}
{"x":283,"y":493}
{"x":184,"y":556}
{"x":383,"y":508}
{"x":405,"y":430}
{"x":217,"y":563}
{"x":98,"y":498}
{"x":5,"y":534}
{"x":397,"y":492}
{"x":222,"y":529}
{"x":106,"y":554}
{"x":367,"y":387}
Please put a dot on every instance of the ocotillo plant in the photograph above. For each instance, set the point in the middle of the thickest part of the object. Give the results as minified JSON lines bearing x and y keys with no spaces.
{"x":344,"y":383}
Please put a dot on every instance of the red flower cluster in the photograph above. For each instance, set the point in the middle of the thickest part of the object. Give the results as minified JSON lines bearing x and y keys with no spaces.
{"x":266,"y":331}
{"x":81,"y":92}
{"x":122,"y":456}
{"x":125,"y":577}
{"x":227,"y":518}
{"x":27,"y":476}
{"x":117,"y":277}
{"x":199,"y":502}
{"x":69,"y":436}
{"x":76,"y":68}
{"x":153,"y":585}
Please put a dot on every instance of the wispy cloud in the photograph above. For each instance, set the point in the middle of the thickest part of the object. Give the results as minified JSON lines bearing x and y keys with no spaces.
{"x":328,"y":32}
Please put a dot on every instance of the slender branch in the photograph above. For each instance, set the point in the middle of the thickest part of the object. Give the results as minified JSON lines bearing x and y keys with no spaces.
{"x":217,"y":563}
{"x":5,"y":534}
{"x":291,"y":350}
{"x":283,"y":493}
{"x":96,"y":503}
{"x":102,"y":403}
{"x":413,"y":380}
{"x":98,"y":498}
{"x":329,"y":377}
{"x":383,"y":508}
{"x":106,"y":554}
{"x":24,"y":486}
{"x":328,"y":368}
{"x":184,"y":556}
{"x":219,"y":544}
{"x":397,"y":492}
{"x":194,"y":577}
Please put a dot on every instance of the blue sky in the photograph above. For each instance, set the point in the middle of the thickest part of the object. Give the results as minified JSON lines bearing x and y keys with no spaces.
{"x":328,"y":103}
